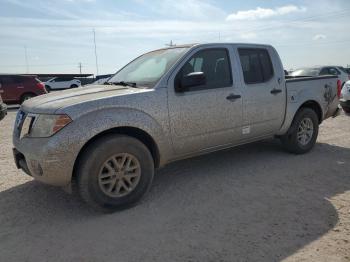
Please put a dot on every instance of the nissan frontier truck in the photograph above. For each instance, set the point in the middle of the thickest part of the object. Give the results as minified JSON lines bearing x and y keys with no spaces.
{"x":167,"y":105}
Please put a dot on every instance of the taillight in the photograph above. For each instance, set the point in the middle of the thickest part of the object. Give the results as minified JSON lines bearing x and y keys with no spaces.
{"x":41,"y":86}
{"x":339,"y":88}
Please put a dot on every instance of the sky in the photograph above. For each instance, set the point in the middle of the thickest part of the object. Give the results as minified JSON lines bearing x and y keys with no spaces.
{"x":55,"y":36}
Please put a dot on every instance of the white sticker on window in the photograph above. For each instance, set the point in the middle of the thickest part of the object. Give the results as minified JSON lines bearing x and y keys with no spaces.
{"x":246,"y":130}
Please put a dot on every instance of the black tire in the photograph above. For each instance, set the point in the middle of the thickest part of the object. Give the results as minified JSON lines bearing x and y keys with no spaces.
{"x":48,"y":88}
{"x":346,"y":110}
{"x":290,"y":140}
{"x":73,"y":86}
{"x":92,"y":161}
{"x":26,"y":97}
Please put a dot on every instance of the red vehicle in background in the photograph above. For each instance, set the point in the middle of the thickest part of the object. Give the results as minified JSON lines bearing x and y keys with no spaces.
{"x":15,"y":89}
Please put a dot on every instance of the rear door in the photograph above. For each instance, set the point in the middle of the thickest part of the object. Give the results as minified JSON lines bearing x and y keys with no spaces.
{"x":206,"y":116}
{"x":11,"y":88}
{"x":263,"y":90}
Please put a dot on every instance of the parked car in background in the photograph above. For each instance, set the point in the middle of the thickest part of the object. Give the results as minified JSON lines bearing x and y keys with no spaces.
{"x":164,"y":106}
{"x":59,"y":83}
{"x":339,"y":71}
{"x":15,"y":89}
{"x":3,"y":109}
{"x":101,"y":81}
{"x":345,"y":98}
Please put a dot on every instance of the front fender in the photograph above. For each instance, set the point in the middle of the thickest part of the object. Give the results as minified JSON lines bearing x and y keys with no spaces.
{"x":68,"y":142}
{"x":102,"y":120}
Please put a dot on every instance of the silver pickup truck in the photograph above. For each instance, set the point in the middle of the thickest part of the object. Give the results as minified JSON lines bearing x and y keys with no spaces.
{"x":164,"y":106}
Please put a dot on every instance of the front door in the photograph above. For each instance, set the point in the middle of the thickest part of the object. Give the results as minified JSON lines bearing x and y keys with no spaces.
{"x":264,"y":92}
{"x":209,"y":115}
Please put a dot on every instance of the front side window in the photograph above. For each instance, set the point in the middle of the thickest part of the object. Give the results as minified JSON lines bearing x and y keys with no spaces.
{"x":215,"y":65}
{"x":256,"y":65}
{"x":147,"y":70}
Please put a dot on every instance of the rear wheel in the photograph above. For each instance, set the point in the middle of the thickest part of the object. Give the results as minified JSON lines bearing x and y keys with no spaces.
{"x":26,"y":97}
{"x":115,"y":172}
{"x":302,"y":135}
{"x":74,"y":86}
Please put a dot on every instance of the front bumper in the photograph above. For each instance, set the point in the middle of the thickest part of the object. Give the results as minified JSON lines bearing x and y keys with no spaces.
{"x":20,"y":161}
{"x":48,"y":160}
{"x":51,"y":170}
{"x":3,"y":111}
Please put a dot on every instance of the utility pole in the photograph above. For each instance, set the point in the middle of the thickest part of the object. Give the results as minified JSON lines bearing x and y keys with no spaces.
{"x":95,"y":52}
{"x":80,"y":66}
{"x":26,"y":59}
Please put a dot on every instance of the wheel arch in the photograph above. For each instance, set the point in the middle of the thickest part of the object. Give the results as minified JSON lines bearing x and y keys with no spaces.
{"x":26,"y":93}
{"x":134,"y":132}
{"x":312,"y":104}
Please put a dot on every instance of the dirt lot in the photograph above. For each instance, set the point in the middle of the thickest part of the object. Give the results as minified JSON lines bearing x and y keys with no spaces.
{"x":251,"y":203}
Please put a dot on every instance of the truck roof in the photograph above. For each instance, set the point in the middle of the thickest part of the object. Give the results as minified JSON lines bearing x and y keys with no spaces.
{"x":215,"y":43}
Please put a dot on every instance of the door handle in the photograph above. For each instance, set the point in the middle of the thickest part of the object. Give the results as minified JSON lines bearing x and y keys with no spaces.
{"x":233,"y":97}
{"x":276,"y":91}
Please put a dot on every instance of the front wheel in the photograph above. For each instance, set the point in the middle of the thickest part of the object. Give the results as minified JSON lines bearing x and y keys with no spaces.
{"x":115,"y":172}
{"x":302,"y":135}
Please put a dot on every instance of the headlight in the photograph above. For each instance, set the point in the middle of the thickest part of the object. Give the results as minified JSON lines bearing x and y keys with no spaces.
{"x":46,"y":125}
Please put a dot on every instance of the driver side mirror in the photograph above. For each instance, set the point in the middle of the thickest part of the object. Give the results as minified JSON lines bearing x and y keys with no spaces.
{"x":191,"y":80}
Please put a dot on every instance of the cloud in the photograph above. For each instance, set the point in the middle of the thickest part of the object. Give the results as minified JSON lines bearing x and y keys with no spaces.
{"x":248,"y":36}
{"x":263,"y":13}
{"x":191,"y":9}
{"x":319,"y":37}
{"x":81,"y":1}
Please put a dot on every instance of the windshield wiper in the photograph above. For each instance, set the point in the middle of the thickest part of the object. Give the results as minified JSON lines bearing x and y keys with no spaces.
{"x":123,"y":83}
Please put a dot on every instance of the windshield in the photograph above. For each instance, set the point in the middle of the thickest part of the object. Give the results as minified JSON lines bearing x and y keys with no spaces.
{"x":147,"y":70}
{"x":306,"y":72}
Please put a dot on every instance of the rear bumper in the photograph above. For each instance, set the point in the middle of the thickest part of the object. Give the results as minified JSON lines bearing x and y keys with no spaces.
{"x":345,"y":105}
{"x":3,"y":111}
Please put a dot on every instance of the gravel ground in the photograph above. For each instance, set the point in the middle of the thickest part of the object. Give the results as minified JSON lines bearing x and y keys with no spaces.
{"x":251,"y":203}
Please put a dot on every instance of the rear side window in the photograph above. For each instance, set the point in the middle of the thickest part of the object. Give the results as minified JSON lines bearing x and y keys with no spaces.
{"x":7,"y":80}
{"x":256,"y":65}
{"x":18,"y":79}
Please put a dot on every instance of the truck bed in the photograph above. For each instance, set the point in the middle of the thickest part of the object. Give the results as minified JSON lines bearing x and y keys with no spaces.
{"x":320,"y":89}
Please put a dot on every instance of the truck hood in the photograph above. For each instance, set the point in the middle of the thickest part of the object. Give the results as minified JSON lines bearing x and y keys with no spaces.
{"x":50,"y":103}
